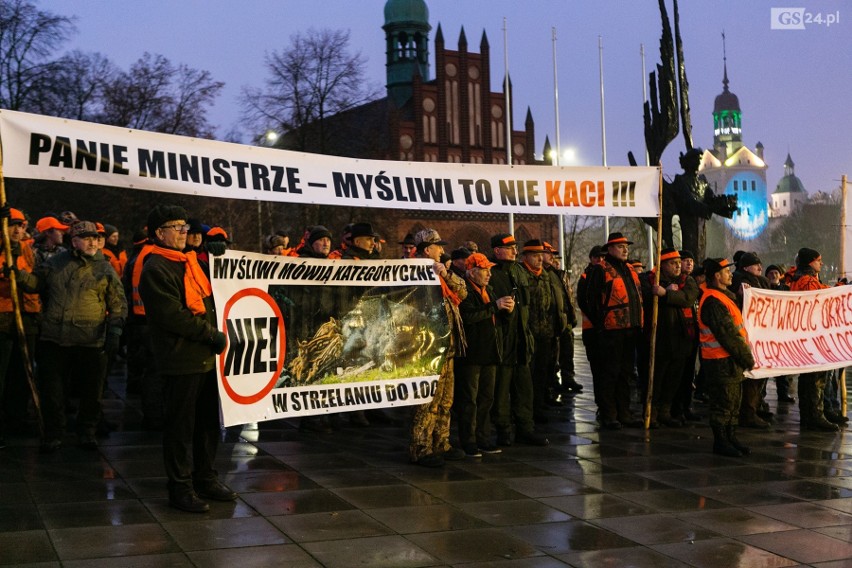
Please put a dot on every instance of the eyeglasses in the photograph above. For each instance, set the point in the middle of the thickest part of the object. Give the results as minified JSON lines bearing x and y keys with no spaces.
{"x":178,"y":228}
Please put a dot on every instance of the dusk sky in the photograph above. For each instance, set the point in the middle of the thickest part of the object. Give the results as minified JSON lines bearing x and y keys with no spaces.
{"x":793,"y":85}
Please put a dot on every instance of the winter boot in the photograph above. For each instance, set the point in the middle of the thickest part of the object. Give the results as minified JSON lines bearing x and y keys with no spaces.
{"x":811,"y":388}
{"x":731,"y":432}
{"x":721,"y":444}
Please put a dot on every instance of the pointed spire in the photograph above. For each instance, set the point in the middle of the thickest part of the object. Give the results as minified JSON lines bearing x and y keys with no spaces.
{"x":483,"y":44}
{"x":789,"y":165}
{"x":725,"y":63}
{"x":462,"y":40}
{"x":439,"y":36}
{"x":529,"y":119}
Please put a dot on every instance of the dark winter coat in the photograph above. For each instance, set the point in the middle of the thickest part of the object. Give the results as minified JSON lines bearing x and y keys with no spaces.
{"x":82,"y":298}
{"x":182,"y":340}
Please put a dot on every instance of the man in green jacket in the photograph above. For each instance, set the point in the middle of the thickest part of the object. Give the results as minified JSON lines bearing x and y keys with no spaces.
{"x":182,"y":319}
{"x":82,"y":319}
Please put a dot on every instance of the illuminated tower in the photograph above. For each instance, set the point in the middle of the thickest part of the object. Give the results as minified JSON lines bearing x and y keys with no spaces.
{"x":732,"y":168}
{"x":727,"y":117}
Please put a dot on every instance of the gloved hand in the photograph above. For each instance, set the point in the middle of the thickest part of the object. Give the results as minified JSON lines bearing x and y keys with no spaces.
{"x":218,"y":341}
{"x":111,"y":344}
{"x":216,"y":248}
{"x":8,"y":270}
{"x":5,"y":212}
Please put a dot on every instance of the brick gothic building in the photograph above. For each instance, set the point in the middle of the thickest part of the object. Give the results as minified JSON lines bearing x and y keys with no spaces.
{"x":454,"y":117}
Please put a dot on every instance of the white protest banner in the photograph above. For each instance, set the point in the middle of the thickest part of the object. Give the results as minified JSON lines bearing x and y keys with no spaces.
{"x":798,"y":332}
{"x":46,"y":148}
{"x":309,"y":336}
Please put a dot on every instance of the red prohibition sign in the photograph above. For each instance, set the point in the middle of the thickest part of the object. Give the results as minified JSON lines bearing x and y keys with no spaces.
{"x":252,"y":398}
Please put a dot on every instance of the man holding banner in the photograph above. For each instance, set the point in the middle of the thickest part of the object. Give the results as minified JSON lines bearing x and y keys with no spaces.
{"x":182,"y":319}
{"x":725,"y":355}
{"x":430,"y":431}
{"x":811,"y":385}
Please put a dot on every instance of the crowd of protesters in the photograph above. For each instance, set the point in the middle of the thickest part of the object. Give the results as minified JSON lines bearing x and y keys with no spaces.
{"x":83,"y":300}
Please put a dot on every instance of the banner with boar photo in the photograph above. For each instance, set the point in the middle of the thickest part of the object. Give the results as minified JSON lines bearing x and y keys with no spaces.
{"x":308,"y":336}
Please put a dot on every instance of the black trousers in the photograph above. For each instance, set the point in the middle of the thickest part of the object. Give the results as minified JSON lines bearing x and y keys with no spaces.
{"x":617,"y":356}
{"x":474,"y":396}
{"x":191,"y":430}
{"x":83,"y":369}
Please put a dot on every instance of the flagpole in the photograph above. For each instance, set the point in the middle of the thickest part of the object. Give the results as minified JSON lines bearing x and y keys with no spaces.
{"x":843,"y":235}
{"x":603,"y":122}
{"x":508,"y":111}
{"x":655,"y":306}
{"x":558,"y":153}
{"x":647,"y":158}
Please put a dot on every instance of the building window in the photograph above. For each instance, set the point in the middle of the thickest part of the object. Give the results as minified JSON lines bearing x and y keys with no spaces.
{"x":753,"y":185}
{"x":736,"y":185}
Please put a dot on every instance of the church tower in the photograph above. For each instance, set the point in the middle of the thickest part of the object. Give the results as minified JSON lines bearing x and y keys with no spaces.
{"x":407,"y":44}
{"x":727,"y":117}
{"x":734,"y":169}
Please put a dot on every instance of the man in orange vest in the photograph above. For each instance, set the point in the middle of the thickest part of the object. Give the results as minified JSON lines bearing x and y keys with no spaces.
{"x":14,"y":392}
{"x":673,"y":343}
{"x":811,"y":385}
{"x":614,"y":306}
{"x":725,"y":355}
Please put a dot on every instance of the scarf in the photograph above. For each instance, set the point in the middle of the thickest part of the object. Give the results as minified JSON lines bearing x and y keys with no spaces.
{"x":195,"y":282}
{"x":483,"y":293}
{"x":532,"y":270}
{"x":452,"y":296}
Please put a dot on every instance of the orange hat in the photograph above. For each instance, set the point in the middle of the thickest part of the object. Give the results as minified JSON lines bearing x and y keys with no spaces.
{"x":478,"y":260}
{"x":617,"y":239}
{"x":550,"y":248}
{"x":16,"y":217}
{"x":669,"y":254}
{"x":217,"y":234}
{"x":48,"y":223}
{"x":101,"y":230}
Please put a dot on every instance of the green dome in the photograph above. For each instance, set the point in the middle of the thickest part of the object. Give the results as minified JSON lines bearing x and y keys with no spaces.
{"x":790,"y":184}
{"x":403,"y":11}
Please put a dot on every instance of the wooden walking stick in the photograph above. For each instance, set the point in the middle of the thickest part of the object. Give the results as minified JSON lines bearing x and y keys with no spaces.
{"x":654,"y":309}
{"x":16,"y":304}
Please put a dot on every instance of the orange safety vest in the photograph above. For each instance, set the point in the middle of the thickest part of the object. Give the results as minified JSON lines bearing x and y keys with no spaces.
{"x":616,"y":308}
{"x":587,"y":323}
{"x":31,"y":303}
{"x":710,"y":347}
{"x":138,"y":308}
{"x":117,"y":262}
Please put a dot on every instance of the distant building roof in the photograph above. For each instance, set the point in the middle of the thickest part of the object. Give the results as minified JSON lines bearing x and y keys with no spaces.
{"x":405,"y":11}
{"x":789,"y":183}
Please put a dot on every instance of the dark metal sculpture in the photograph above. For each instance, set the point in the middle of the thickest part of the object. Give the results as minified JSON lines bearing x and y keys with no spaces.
{"x":688,"y":196}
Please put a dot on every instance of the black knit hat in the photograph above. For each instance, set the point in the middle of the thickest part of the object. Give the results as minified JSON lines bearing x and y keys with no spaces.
{"x":318,"y":232}
{"x":806,"y":256}
{"x":162,"y":214}
{"x":748,"y":259}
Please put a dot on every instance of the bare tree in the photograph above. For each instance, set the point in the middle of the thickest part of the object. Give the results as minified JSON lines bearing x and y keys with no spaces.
{"x":157,"y":96}
{"x":313,"y":78}
{"x":29,"y":39}
{"x":75,"y":88}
